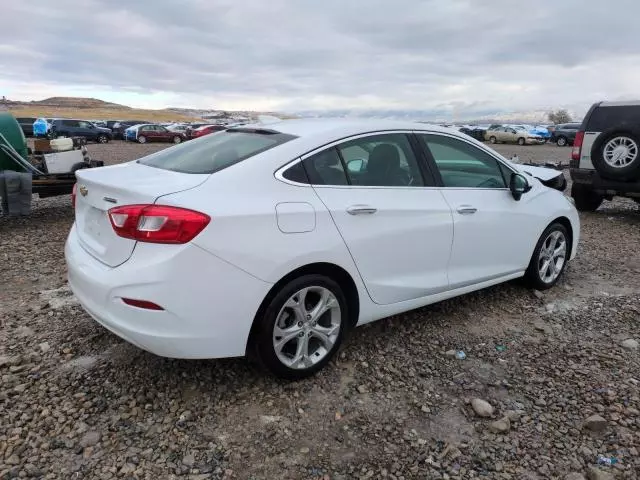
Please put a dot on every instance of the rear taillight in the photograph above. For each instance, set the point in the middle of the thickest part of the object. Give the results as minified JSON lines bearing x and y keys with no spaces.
{"x":157,"y":223}
{"x":577,"y":146}
{"x":73,"y":195}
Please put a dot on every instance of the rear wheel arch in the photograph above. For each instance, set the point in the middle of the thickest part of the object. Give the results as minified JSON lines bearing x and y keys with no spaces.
{"x":330,"y":270}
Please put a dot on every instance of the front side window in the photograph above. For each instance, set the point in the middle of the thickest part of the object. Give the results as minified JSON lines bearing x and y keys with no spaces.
{"x":381,"y":160}
{"x":463,"y":165}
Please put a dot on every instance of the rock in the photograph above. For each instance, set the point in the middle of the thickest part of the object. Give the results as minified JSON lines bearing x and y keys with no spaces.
{"x":541,"y":402}
{"x":543,"y":327}
{"x":24,"y":332}
{"x":13,"y":460}
{"x":514,"y":415}
{"x":500,"y":426}
{"x":90,"y":439}
{"x":362,"y":389}
{"x":189,"y":460}
{"x":538,"y":294}
{"x":481,"y":407}
{"x":44,"y":347}
{"x":596,"y":474}
{"x":595,"y":423}
{"x":20,"y":388}
{"x":629,"y":344}
{"x":574,"y":476}
{"x":450,"y":353}
{"x":304,"y":450}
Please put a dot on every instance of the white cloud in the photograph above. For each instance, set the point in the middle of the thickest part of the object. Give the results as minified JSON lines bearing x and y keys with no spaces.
{"x":456,"y":57}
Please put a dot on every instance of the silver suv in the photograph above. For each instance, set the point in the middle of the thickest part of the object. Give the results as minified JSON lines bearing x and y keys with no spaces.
{"x":605,"y":161}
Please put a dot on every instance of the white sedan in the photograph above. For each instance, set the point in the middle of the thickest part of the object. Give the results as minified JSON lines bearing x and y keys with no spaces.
{"x":277,"y":240}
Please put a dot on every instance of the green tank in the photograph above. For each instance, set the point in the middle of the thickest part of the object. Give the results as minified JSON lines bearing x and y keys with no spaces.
{"x":11,"y":133}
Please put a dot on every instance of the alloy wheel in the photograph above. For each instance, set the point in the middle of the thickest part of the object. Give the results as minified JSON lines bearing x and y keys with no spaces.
{"x":619,"y":152}
{"x":552,"y":256}
{"x":307,"y":327}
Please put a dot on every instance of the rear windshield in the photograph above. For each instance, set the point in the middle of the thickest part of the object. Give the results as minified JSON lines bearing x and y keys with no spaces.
{"x":216,"y":151}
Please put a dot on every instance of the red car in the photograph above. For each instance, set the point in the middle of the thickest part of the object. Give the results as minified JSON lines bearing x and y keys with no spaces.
{"x":153,"y":133}
{"x":205,"y":130}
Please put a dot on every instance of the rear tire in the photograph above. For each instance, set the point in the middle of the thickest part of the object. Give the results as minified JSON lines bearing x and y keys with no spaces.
{"x":177,"y":139}
{"x":586,"y":200}
{"x":142,"y":139}
{"x":521,"y":141}
{"x":313,"y":340}
{"x":549,"y":258}
{"x":561,"y":141}
{"x":616,"y":155}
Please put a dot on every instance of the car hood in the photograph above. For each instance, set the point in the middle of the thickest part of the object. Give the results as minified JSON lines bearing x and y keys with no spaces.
{"x":541,"y":173}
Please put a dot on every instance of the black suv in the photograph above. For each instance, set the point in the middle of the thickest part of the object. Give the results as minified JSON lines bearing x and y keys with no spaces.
{"x":26,"y":124}
{"x":565,"y":133}
{"x":605,"y":161}
{"x":63,"y":127}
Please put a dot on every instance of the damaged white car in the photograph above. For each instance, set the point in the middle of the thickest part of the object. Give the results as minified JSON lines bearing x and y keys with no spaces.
{"x":278,"y":239}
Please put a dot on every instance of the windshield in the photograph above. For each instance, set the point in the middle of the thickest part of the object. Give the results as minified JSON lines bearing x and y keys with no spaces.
{"x":216,"y":151}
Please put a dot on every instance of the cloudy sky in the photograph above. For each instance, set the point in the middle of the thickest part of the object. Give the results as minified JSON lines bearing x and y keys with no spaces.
{"x":459,"y":58}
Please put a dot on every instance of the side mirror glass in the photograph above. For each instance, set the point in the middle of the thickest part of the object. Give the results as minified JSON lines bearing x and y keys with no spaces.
{"x":355,"y":165}
{"x":518,"y":185}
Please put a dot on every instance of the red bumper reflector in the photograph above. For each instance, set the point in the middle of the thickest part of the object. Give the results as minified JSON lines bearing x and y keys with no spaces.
{"x":142,"y":304}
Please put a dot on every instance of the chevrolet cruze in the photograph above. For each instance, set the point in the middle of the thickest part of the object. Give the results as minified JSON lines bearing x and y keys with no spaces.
{"x":277,"y":239}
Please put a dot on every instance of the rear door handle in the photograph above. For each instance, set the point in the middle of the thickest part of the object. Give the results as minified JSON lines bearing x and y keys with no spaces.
{"x":361,"y":210}
{"x":467,"y":210}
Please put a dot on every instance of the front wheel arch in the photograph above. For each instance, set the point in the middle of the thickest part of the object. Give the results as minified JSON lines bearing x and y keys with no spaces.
{"x":331,"y":270}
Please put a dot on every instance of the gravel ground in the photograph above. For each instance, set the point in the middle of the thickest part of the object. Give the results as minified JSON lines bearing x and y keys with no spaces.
{"x":78,"y":402}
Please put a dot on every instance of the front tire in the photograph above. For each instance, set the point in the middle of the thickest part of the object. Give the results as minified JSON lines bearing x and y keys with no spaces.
{"x":177,"y":139}
{"x":561,"y":142}
{"x":521,"y":141}
{"x":102,"y":139}
{"x":302,"y":327}
{"x":142,"y":139}
{"x":586,"y":200}
{"x":493,"y":140}
{"x":549,"y":258}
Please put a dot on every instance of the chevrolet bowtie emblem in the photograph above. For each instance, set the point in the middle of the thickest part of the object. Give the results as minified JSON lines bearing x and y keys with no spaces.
{"x":83,"y":190}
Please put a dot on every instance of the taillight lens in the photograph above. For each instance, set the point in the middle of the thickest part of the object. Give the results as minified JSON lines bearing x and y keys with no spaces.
{"x":73,"y":195}
{"x":157,"y":223}
{"x":577,"y":146}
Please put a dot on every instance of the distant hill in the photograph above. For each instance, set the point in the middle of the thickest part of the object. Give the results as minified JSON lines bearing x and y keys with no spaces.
{"x":77,"y":102}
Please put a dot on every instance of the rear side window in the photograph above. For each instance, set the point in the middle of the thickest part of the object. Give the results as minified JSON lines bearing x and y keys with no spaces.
{"x":604,"y":118}
{"x":215,"y":152}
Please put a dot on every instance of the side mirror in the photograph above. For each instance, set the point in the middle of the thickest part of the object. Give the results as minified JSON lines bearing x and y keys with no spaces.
{"x":518,"y":186}
{"x":355,"y":165}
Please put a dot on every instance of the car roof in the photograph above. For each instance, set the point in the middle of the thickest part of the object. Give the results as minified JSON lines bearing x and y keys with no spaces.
{"x":340,"y":127}
{"x":628,"y":103}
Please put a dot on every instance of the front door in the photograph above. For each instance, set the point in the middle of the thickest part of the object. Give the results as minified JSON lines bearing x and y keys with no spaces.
{"x":494,"y":235}
{"x":397,"y":227}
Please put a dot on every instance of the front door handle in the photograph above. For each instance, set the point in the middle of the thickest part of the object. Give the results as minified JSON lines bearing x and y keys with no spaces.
{"x":467,"y":210}
{"x":361,"y":210}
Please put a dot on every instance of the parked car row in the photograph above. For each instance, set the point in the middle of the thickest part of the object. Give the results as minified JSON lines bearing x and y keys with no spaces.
{"x":103,"y":131}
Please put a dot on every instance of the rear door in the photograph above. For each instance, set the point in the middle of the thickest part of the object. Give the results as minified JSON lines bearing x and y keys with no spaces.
{"x":396,"y":225}
{"x":86,"y":129}
{"x":101,"y":189}
{"x":162,"y":134}
{"x":494,"y":235}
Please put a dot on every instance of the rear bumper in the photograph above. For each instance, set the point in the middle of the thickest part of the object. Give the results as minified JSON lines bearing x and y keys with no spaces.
{"x":592,"y":179}
{"x":209,"y":305}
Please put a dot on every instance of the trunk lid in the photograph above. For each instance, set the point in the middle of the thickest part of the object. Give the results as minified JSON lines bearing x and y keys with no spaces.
{"x":100,"y":189}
